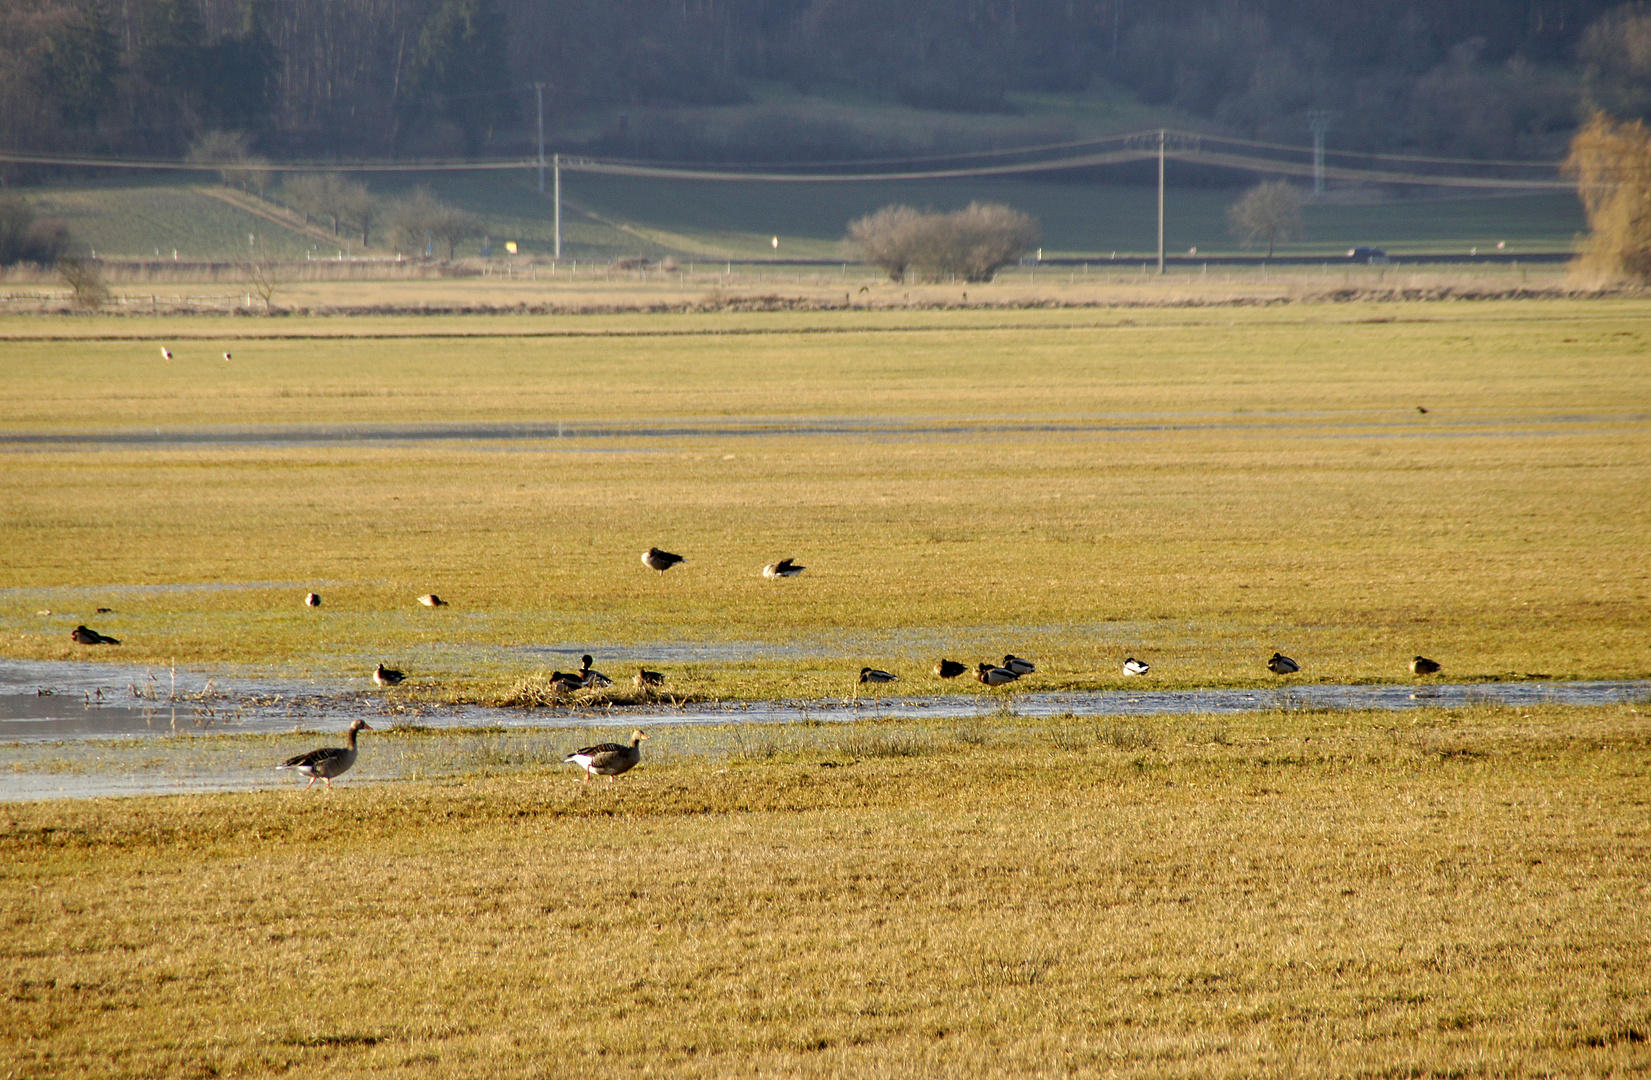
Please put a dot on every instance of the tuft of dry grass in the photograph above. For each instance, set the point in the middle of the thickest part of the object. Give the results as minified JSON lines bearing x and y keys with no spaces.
{"x":1437,"y":892}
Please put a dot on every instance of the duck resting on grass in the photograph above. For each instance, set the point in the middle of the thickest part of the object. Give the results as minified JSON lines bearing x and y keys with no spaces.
{"x":384,"y":676}
{"x":645,"y":678}
{"x":312,"y":599}
{"x":949,"y":669}
{"x":329,"y":761}
{"x":1282,"y":665}
{"x":430,"y":599}
{"x":1018,"y":665}
{"x":1423,"y":666}
{"x":86,"y":636}
{"x":607,"y":759}
{"x":1133,"y":666}
{"x":994,"y":676}
{"x":592,"y":680}
{"x":783,"y":568}
{"x":655,"y":559}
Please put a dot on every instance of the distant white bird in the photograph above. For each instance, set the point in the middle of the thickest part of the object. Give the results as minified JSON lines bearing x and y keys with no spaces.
{"x":994,"y":676}
{"x":607,"y":759}
{"x":783,"y":568}
{"x":166,"y":354}
{"x":329,"y":761}
{"x":384,"y":676}
{"x":1018,"y":665}
{"x":1133,"y":666}
{"x":1282,"y":665}
{"x":312,"y":600}
{"x":655,"y":559}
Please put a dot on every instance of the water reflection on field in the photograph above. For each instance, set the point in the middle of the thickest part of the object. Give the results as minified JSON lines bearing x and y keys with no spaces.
{"x":80,"y":730}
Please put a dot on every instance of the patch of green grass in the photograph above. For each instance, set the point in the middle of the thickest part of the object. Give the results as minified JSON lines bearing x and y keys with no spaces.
{"x":1323,"y":889}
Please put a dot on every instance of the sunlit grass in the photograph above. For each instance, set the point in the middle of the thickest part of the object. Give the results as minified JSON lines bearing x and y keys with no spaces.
{"x":1438,"y":892}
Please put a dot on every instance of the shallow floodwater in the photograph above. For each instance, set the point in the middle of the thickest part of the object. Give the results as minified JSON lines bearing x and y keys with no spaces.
{"x":72,"y":730}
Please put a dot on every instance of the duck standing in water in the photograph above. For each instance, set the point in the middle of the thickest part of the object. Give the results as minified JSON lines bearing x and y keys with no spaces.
{"x":328,"y":761}
{"x":607,"y":759}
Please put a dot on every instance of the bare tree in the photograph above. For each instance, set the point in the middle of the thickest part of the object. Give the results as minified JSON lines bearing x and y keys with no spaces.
{"x":1270,"y":211}
{"x":264,"y":277}
{"x":85,"y":280}
{"x":972,"y":243}
{"x":230,"y":153}
{"x":886,"y":238}
{"x":420,"y":221}
{"x":1611,"y":162}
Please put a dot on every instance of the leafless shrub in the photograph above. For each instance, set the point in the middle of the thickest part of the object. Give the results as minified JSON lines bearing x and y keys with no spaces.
{"x":1611,"y":162}
{"x":972,"y":243}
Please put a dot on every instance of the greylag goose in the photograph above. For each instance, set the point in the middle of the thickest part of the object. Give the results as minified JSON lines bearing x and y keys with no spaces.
{"x":1133,"y":666}
{"x":783,"y":568}
{"x":592,"y":679}
{"x":1423,"y":666}
{"x":645,"y":678}
{"x":312,"y":600}
{"x":994,"y":676}
{"x":86,"y":636}
{"x":1282,"y":665}
{"x":384,"y":676}
{"x":949,"y":669}
{"x":430,"y":599}
{"x":607,"y":759}
{"x":329,"y":761}
{"x":654,"y":559}
{"x":1018,"y":665}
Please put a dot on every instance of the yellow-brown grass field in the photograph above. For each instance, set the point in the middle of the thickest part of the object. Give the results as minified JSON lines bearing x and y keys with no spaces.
{"x":1441,"y":892}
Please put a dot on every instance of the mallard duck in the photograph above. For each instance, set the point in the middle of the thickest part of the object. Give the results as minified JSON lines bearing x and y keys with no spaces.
{"x":1423,"y":666}
{"x":430,"y":599}
{"x":592,"y":679}
{"x":86,"y":636}
{"x":783,"y":568}
{"x":607,"y":759}
{"x":1133,"y":666}
{"x":644,"y":677}
{"x":329,"y":761}
{"x":950,"y":669}
{"x":994,"y":676}
{"x":384,"y":676}
{"x":877,"y":675}
{"x":1018,"y":665}
{"x":1282,"y":665}
{"x":566,"y":682}
{"x":312,"y":600}
{"x":654,"y":559}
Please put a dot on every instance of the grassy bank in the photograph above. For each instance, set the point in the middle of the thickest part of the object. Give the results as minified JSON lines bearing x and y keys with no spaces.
{"x":1439,"y":893}
{"x":1197,"y":488}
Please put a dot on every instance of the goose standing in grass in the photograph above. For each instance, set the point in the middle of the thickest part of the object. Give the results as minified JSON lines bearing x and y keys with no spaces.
{"x":1133,"y":666}
{"x":655,"y":559}
{"x":430,"y":599}
{"x":1018,"y":665}
{"x":645,"y":678}
{"x":384,"y":676}
{"x":607,"y":759}
{"x":312,"y":600}
{"x":592,"y":679}
{"x":86,"y":636}
{"x":783,"y":568}
{"x":994,"y":676}
{"x":329,"y":761}
{"x":1282,"y":665}
{"x":949,"y":669}
{"x":1423,"y":666}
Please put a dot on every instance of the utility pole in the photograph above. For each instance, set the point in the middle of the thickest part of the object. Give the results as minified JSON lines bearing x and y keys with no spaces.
{"x":1161,"y":140}
{"x":558,"y":168}
{"x":539,"y":90}
{"x":1318,"y":121}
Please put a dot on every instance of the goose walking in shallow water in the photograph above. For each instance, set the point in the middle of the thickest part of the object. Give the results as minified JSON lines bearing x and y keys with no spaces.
{"x":1133,"y":666}
{"x":607,"y":759}
{"x":1282,"y":665}
{"x":1423,"y":666}
{"x":329,"y":761}
{"x":655,"y":559}
{"x":384,"y":676}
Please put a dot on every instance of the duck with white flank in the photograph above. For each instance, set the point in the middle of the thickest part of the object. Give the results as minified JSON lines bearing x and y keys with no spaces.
{"x":430,"y":599}
{"x":1133,"y":666}
{"x":783,"y":568}
{"x":384,"y":676}
{"x":312,"y":600}
{"x":645,"y":678}
{"x":329,"y":761}
{"x":607,"y":759}
{"x":86,"y":636}
{"x":1423,"y":666}
{"x":655,"y":559}
{"x":566,"y":682}
{"x":1018,"y":665}
{"x":994,"y":676}
{"x":877,"y":676}
{"x":1282,"y":665}
{"x":949,"y":669}
{"x":592,"y":679}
